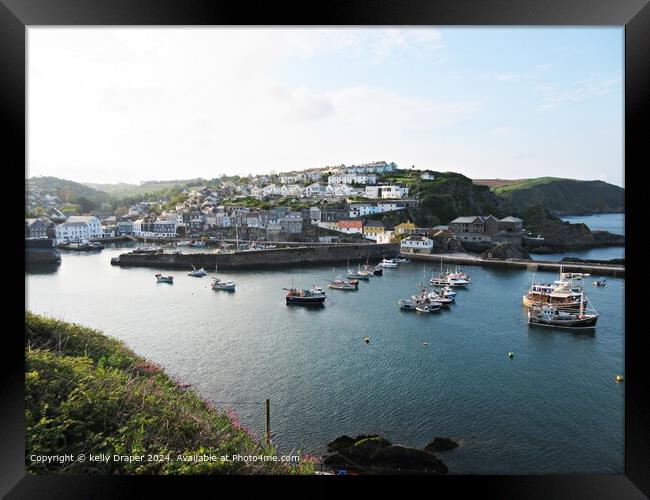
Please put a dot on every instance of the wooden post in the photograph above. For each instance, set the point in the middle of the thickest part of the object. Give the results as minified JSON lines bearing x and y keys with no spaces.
{"x":267,"y":411}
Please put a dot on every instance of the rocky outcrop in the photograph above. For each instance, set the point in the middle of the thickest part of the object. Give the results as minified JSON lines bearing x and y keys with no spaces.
{"x":560,"y":235}
{"x":374,"y":454}
{"x":505,"y":251}
{"x":441,"y":444}
{"x":444,"y":242}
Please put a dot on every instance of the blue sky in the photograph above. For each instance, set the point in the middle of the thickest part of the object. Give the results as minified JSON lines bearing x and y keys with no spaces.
{"x":109,"y":105}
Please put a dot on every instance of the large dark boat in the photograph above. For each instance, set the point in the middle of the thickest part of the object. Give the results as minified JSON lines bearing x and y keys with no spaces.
{"x":548,"y":315}
{"x":303,"y":296}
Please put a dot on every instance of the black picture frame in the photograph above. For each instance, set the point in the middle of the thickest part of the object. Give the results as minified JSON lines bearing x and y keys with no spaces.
{"x":17,"y":15}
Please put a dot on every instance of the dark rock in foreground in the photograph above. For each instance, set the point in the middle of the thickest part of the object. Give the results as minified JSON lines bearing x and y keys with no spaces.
{"x":374,"y":454}
{"x":441,"y":444}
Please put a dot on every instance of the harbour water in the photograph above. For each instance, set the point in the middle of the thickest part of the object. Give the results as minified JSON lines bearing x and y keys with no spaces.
{"x":614,"y":223}
{"x":553,"y":408}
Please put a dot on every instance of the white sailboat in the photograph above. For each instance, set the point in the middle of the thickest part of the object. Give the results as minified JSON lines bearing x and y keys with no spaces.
{"x":218,"y":284}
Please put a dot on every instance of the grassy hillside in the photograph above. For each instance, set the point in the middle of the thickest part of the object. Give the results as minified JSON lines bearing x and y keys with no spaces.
{"x":495,"y":183}
{"x":563,"y":196}
{"x":122,"y":190}
{"x":88,"y":393}
{"x":70,"y":192}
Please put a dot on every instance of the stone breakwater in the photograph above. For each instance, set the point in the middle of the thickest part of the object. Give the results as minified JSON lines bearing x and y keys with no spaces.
{"x":261,"y":259}
{"x":568,"y":267}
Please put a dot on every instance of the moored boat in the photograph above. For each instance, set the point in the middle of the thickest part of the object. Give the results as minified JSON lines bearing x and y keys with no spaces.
{"x":339,"y":283}
{"x":314,"y":296}
{"x":228,"y":285}
{"x":388,"y":263}
{"x":218,"y":284}
{"x":197,"y":273}
{"x":562,"y":295}
{"x":600,"y":283}
{"x":548,"y":315}
{"x":407,"y":305}
{"x":164,"y":279}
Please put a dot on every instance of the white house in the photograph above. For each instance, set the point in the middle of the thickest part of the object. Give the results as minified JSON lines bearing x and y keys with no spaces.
{"x":79,"y":228}
{"x":340,"y":190}
{"x":394,"y":192}
{"x":416,"y":244}
{"x":361,"y":209}
{"x":386,"y":192}
{"x":271,"y":190}
{"x":315,"y":189}
{"x":289,"y":179}
{"x":256,"y":192}
{"x":156,"y":229}
{"x":427,"y":176}
{"x":350,"y":178}
{"x":291,"y":190}
{"x":385,"y":237}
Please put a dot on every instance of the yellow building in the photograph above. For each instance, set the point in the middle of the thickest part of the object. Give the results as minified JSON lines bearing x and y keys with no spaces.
{"x":405,"y":228}
{"x":373,"y":228}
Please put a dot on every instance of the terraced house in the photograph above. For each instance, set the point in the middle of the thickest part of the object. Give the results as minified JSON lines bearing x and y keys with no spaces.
{"x":79,"y":228}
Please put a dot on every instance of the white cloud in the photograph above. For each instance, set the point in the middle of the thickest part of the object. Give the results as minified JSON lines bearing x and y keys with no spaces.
{"x":535,"y":73}
{"x":577,"y":91}
{"x":503,"y":131}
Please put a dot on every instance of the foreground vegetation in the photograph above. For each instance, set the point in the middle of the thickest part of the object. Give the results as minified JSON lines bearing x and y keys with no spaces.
{"x":86,"y":393}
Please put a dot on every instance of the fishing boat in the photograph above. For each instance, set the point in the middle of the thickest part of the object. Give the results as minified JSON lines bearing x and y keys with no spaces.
{"x":436,"y":297}
{"x":375,"y":271}
{"x":388,"y":263}
{"x":447,"y":292}
{"x":440,"y":280}
{"x":457,"y":282}
{"x":422,"y":308}
{"x":357,"y":275}
{"x":197,"y":273}
{"x":407,"y":304}
{"x":164,"y":279}
{"x":548,"y":315}
{"x":401,"y":260}
{"x":458,"y":273}
{"x":228,"y":285}
{"x":218,"y":284}
{"x":601,"y":282}
{"x":314,"y":296}
{"x":198,"y":244}
{"x":339,"y":283}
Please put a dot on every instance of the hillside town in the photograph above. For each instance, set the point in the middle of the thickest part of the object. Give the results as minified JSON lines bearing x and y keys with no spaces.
{"x":326,"y":205}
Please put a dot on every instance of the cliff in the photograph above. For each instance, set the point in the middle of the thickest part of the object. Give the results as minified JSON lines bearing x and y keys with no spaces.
{"x":558,"y":234}
{"x":562,"y":196}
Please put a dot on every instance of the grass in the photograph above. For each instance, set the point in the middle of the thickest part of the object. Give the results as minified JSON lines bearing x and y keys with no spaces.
{"x":86,"y":393}
{"x":526,"y":184}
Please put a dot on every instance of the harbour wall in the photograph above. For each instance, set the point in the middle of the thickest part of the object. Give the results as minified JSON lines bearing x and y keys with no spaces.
{"x":261,"y":259}
{"x":576,"y":267}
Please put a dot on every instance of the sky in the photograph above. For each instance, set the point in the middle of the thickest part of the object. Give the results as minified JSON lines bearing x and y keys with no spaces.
{"x":113,"y":105}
